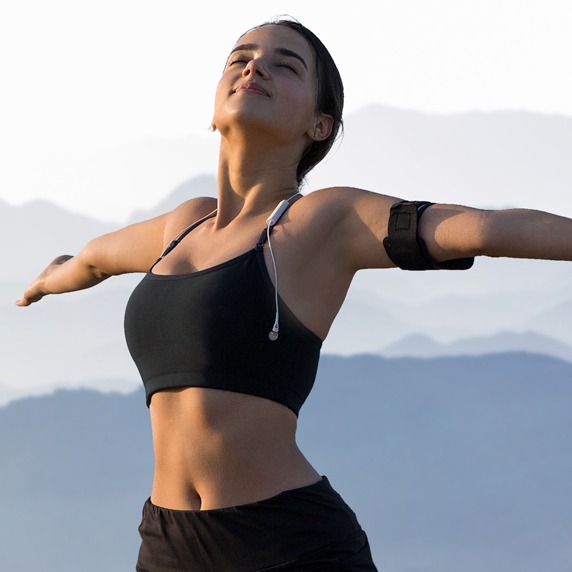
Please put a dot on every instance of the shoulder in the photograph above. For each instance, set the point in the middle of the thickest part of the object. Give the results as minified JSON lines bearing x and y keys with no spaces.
{"x":351,"y":221}
{"x":345,"y":205}
{"x":187,"y":213}
{"x":346,"y":198}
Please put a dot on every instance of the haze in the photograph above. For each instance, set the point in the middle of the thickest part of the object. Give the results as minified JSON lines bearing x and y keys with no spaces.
{"x":86,"y":78}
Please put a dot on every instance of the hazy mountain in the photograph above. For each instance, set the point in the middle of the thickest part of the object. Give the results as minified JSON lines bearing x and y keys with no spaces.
{"x":78,"y":339}
{"x":371,"y":320}
{"x":482,"y":159}
{"x":35,"y":233}
{"x":451,"y":464}
{"x":200,"y":186}
{"x":477,"y":158}
{"x":75,"y":468}
{"x":418,"y":345}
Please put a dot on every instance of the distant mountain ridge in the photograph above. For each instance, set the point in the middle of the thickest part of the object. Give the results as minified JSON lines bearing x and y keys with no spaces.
{"x":418,"y":345}
{"x":467,"y":459}
{"x":476,"y":158}
{"x":484,"y":159}
{"x":479,"y":158}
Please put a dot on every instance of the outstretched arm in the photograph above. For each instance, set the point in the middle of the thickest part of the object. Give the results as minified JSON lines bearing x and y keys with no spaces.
{"x":130,"y":249}
{"x":454,"y":231}
{"x":65,"y":273}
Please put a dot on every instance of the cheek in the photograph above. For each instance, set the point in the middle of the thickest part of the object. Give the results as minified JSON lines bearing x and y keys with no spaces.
{"x":302,"y":99}
{"x":304,"y":107}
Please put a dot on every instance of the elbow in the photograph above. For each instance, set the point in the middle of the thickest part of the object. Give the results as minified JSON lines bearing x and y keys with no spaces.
{"x":478,"y":240}
{"x":91,"y":260}
{"x":456,"y":232}
{"x":491,"y":234}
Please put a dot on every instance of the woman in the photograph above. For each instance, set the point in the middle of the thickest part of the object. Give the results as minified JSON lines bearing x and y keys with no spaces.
{"x":226,"y":361}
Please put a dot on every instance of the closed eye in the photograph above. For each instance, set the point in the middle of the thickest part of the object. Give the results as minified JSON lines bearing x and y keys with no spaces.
{"x":289,"y":66}
{"x":241,"y":60}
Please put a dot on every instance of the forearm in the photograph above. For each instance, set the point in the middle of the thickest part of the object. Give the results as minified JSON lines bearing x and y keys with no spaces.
{"x":454,"y":231}
{"x":64,"y":274}
{"x":522,"y":233}
{"x":131,"y":249}
{"x":70,"y":273}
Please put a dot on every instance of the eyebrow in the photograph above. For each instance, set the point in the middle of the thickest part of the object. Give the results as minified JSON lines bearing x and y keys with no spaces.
{"x":281,"y":51}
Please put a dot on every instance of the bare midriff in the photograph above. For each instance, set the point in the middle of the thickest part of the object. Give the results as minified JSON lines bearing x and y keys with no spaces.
{"x":216,"y":449}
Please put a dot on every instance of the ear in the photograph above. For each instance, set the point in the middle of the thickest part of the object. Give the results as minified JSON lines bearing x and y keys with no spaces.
{"x":322,"y":127}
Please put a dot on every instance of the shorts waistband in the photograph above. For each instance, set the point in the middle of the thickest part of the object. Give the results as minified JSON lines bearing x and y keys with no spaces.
{"x":321,"y":487}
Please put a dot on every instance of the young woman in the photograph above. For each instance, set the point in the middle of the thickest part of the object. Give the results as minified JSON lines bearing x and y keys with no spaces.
{"x":227,"y":324}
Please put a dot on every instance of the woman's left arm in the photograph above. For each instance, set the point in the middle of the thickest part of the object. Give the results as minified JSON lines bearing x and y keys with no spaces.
{"x":452,"y":231}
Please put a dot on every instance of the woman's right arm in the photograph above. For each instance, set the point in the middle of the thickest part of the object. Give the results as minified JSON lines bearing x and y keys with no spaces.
{"x":131,"y":249}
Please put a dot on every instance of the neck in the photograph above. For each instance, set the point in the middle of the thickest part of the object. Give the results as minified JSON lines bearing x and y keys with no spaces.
{"x":252,"y":182}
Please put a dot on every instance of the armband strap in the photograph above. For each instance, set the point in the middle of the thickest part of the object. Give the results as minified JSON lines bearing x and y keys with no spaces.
{"x":406,"y":248}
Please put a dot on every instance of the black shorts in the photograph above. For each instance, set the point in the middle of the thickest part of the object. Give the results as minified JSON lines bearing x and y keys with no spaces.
{"x":306,"y":529}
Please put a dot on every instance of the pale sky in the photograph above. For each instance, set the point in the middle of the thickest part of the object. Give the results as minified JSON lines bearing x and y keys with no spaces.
{"x":81,"y":76}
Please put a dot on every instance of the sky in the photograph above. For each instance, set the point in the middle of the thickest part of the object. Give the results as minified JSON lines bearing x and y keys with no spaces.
{"x":85,"y":77}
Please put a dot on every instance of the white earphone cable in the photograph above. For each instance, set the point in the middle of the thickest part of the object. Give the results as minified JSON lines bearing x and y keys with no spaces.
{"x":273,"y":335}
{"x":270,"y":222}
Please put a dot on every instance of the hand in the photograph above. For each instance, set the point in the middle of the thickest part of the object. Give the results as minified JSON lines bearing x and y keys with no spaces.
{"x":36,"y":290}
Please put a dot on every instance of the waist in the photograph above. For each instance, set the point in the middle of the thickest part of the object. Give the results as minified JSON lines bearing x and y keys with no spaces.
{"x":216,"y":448}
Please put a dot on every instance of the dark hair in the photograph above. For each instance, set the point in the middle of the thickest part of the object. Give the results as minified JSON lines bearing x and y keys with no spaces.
{"x":329,"y":97}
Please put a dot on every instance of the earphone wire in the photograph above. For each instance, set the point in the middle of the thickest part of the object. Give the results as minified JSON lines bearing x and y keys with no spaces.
{"x":273,"y":335}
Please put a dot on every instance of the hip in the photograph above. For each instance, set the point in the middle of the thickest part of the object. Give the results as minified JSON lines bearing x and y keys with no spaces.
{"x":308,"y":528}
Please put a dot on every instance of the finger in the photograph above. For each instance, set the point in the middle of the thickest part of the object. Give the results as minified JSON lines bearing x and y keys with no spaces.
{"x":27,"y":300}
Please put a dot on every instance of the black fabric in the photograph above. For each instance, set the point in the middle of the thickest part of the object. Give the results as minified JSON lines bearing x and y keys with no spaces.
{"x":406,"y":248}
{"x":210,"y":329}
{"x":307,"y":529}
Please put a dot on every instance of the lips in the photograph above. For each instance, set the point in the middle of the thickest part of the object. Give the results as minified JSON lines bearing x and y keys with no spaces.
{"x":250,"y":87}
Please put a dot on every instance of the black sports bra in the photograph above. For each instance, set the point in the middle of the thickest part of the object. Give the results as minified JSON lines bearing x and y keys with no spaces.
{"x":210,"y":328}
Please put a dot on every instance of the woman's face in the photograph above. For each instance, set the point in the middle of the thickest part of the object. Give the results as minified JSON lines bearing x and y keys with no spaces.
{"x":269,"y":84}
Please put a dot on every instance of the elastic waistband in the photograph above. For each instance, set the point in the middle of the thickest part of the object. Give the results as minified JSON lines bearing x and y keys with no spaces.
{"x":315,"y":490}
{"x":307,"y":524}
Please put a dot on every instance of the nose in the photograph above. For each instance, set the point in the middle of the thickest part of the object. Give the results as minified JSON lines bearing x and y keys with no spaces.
{"x":256,"y":67}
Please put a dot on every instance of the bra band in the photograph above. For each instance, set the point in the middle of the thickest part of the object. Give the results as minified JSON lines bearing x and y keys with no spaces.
{"x":406,"y":248}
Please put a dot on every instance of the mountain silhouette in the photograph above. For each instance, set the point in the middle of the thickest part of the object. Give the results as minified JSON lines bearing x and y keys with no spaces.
{"x":450,"y":464}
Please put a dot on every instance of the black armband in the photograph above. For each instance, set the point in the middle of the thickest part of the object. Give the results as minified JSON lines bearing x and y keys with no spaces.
{"x":406,"y":248}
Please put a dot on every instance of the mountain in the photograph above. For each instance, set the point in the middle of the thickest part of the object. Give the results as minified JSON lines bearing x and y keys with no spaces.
{"x":450,"y":464}
{"x":74,"y":468}
{"x":76,"y":339}
{"x":418,"y":345}
{"x":200,"y":186}
{"x":38,"y":231}
{"x":66,"y":340}
{"x":481,"y":159}
{"x":383,"y":307}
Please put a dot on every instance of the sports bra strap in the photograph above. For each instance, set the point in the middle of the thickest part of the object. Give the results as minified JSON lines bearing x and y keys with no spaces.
{"x":261,"y":240}
{"x":182,"y":235}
